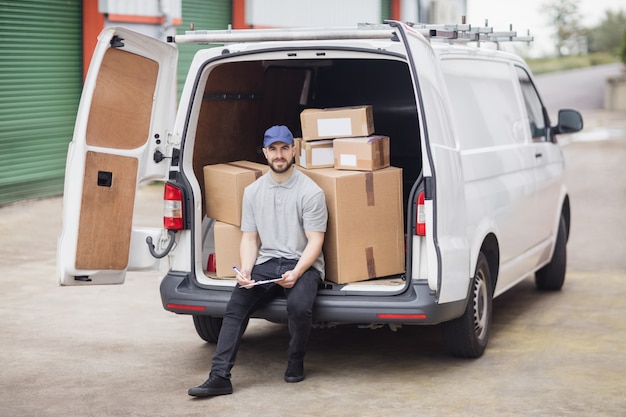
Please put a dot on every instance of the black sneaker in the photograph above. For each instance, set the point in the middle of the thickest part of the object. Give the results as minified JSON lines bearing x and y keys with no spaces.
{"x":215,"y":385}
{"x":294,"y":372}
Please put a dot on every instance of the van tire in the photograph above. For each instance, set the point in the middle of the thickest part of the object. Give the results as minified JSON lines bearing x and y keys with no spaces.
{"x":467,"y":336}
{"x":552,"y":276}
{"x":208,"y":327}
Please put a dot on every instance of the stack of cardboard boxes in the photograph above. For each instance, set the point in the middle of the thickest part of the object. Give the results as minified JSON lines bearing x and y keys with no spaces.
{"x":340,"y":138}
{"x":365,"y":236}
{"x":223,"y":190}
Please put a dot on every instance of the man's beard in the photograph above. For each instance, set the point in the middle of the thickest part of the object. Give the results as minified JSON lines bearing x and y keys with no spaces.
{"x":288,"y":165}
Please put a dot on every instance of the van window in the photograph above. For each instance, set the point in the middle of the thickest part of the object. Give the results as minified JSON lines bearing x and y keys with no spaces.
{"x":482,"y":95}
{"x":536,"y":117}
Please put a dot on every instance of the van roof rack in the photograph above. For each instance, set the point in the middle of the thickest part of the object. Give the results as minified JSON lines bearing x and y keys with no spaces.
{"x":467,"y":33}
{"x":452,"y":33}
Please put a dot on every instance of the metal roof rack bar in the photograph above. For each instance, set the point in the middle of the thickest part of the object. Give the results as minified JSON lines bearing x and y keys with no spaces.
{"x":502,"y":35}
{"x":255,"y":35}
{"x":481,"y":29}
{"x":452,"y":27}
{"x":469,"y":33}
{"x":454,"y":35}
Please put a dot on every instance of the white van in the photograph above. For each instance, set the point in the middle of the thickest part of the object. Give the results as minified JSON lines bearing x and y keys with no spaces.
{"x":483,"y":201}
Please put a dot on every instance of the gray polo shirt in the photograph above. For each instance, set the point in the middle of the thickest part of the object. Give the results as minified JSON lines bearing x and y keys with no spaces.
{"x":280,"y":213}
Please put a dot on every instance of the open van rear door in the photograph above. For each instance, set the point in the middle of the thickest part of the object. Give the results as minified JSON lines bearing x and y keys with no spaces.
{"x":445,"y":222}
{"x":125,"y":112}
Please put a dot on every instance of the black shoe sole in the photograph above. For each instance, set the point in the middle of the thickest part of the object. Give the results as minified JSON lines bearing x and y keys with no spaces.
{"x":202,"y":392}
{"x":294,"y":378}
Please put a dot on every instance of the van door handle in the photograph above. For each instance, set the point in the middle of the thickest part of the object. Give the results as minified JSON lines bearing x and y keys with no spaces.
{"x":538,"y":155}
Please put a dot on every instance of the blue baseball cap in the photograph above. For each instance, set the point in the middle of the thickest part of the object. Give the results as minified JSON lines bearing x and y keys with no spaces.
{"x":277,"y":134}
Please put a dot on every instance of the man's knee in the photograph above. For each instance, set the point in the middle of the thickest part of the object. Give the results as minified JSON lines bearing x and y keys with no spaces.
{"x":238,"y":306}
{"x":298,"y":310}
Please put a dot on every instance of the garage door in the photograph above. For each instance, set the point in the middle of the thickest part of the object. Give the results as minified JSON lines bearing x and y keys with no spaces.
{"x":205,"y":15}
{"x":40,"y":80}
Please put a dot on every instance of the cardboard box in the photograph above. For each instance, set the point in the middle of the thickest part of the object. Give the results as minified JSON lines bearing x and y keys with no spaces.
{"x":224,"y":185}
{"x":227,"y":241}
{"x":339,"y":122}
{"x":365,"y":234}
{"x":362,"y":154}
{"x":315,"y":154}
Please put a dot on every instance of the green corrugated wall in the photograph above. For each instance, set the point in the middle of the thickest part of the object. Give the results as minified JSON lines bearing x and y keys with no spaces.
{"x":385,"y":10}
{"x":209,"y":15}
{"x":40,"y":85}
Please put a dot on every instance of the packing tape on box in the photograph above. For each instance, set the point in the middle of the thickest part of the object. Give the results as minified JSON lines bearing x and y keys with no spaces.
{"x":369,"y":188}
{"x":257,"y":172}
{"x":371,"y":264}
{"x":380,"y":152}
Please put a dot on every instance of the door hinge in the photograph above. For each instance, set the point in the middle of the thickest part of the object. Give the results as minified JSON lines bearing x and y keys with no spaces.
{"x":117,"y":42}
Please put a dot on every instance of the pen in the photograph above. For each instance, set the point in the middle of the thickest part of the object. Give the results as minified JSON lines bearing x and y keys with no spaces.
{"x":239,"y":273}
{"x":253,"y":283}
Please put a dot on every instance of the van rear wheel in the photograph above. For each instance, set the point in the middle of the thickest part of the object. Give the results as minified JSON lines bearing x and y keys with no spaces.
{"x":208,"y":327}
{"x":466,"y":336}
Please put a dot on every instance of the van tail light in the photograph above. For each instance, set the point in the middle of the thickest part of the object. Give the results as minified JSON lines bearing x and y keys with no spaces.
{"x":172,"y":207}
{"x":420,"y":221}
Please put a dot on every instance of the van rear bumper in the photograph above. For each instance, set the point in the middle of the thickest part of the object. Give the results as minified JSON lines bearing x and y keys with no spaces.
{"x":180,"y":294}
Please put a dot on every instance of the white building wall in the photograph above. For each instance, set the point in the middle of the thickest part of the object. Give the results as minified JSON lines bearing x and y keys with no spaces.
{"x":450,"y":11}
{"x":153,"y":8}
{"x":442,"y":11}
{"x":307,"y":13}
{"x":167,"y":10}
{"x":409,"y":11}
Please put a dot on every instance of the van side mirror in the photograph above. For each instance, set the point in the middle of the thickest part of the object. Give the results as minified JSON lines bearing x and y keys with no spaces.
{"x":570,"y":121}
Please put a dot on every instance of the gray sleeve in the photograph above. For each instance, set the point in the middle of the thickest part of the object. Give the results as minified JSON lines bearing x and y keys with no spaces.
{"x":248,"y":223}
{"x":315,"y":214}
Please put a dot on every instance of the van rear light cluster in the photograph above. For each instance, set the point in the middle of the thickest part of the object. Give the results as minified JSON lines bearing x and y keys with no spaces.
{"x":420,"y":221}
{"x":172,"y":207}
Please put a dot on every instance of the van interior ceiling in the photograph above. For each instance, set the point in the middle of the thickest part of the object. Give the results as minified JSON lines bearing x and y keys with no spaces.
{"x":242,"y":99}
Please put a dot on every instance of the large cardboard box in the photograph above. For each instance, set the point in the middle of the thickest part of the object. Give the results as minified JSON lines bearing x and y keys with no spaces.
{"x":227,"y":241}
{"x":365,"y":234}
{"x":315,"y":154}
{"x":224,"y":185}
{"x":336,"y":122}
{"x":362,"y":154}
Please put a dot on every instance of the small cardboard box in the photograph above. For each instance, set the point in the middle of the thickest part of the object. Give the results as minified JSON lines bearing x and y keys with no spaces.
{"x":227,"y":241}
{"x":315,"y":154}
{"x":362,"y":154}
{"x":339,"y":122}
{"x":224,"y":185}
{"x":365,"y":233}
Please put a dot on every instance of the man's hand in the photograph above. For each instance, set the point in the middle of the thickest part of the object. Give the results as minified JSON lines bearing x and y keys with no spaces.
{"x":244,"y":280}
{"x":289,"y":279}
{"x":313,"y":248}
